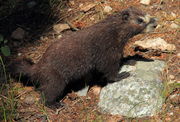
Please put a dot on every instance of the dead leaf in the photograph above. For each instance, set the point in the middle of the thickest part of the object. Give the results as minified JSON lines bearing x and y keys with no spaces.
{"x":87,"y":7}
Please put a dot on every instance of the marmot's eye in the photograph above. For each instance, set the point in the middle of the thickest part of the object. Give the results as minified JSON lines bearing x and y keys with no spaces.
{"x":139,"y":20}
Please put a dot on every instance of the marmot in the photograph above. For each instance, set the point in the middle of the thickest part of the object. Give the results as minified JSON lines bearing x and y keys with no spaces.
{"x":98,"y":48}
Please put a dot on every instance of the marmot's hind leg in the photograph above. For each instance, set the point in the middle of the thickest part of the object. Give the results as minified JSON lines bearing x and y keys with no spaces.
{"x":53,"y":89}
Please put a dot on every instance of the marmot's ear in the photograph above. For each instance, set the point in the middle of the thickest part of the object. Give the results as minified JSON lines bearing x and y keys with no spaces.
{"x":125,"y":15}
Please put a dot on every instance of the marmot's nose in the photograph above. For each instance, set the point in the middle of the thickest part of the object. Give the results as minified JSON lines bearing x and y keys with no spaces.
{"x":154,"y":22}
{"x":155,"y":25}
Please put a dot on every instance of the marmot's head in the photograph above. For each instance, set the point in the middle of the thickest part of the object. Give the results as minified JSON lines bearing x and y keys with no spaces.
{"x":138,"y":21}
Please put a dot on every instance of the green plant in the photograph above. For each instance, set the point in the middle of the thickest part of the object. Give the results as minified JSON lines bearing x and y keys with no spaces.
{"x":3,"y":69}
{"x":8,"y":101}
{"x":42,"y":108}
{"x":168,"y":86}
{"x":5,"y":50}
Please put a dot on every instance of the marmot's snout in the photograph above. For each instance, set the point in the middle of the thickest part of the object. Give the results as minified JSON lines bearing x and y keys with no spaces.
{"x":154,"y":22}
{"x":139,"y":20}
{"x":151,"y":24}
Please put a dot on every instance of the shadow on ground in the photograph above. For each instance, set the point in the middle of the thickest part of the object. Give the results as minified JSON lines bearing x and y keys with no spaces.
{"x":34,"y":16}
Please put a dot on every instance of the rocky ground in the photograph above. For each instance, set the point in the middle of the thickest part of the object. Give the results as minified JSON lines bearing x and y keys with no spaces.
{"x":80,"y":14}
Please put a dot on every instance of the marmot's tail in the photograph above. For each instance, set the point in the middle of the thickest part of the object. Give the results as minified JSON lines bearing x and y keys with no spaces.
{"x":23,"y":70}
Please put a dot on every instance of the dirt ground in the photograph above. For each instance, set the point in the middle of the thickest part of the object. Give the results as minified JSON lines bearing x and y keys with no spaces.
{"x":78,"y":108}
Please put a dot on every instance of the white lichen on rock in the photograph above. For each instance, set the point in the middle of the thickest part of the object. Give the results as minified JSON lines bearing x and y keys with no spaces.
{"x":136,"y":96}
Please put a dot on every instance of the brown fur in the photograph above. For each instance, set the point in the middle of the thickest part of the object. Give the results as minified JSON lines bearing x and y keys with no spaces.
{"x":98,"y":48}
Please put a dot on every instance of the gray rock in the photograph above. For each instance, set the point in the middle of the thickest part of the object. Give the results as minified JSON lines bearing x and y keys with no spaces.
{"x":18,"y":34}
{"x":138,"y":95}
{"x":83,"y":92}
{"x":29,"y":100}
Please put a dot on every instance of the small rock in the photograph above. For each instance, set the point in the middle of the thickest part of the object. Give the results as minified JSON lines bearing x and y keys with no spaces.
{"x":59,"y":36}
{"x":19,"y":54}
{"x":18,"y":34}
{"x":29,"y":100}
{"x":87,"y":7}
{"x":156,"y":44}
{"x":171,"y":77}
{"x":107,"y":9}
{"x":60,"y":27}
{"x":171,"y":113}
{"x":145,"y":2}
{"x":174,"y":25}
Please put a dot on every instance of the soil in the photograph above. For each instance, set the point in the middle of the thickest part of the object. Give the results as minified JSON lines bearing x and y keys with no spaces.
{"x":78,"y":108}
